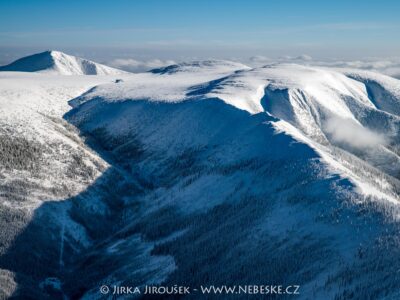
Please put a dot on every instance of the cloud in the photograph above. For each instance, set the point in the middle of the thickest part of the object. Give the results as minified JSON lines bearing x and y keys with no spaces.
{"x":133,"y":65}
{"x":304,"y":57}
{"x":389,"y":67}
{"x":288,"y":58}
{"x":259,"y":59}
{"x":353,"y":134}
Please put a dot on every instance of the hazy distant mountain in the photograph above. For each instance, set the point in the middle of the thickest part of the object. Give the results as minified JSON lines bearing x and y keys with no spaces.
{"x":206,"y":66}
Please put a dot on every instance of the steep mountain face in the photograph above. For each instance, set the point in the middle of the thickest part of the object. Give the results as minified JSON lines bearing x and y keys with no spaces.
{"x":346,"y":120}
{"x":42,"y":162}
{"x":55,"y":62}
{"x":338,"y":114}
{"x":202,"y":175}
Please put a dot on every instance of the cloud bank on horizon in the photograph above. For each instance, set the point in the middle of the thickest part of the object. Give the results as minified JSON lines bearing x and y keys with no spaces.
{"x":177,"y":29}
{"x":390,"y":67}
{"x":134,"y":64}
{"x":140,"y":35}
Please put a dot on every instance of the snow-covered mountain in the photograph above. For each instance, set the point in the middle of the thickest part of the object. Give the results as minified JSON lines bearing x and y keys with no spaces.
{"x":205,"y":67}
{"x":55,"y":62}
{"x":197,"y":174}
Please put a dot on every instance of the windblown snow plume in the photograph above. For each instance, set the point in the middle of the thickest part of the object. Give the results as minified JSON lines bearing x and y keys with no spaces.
{"x":355,"y":135}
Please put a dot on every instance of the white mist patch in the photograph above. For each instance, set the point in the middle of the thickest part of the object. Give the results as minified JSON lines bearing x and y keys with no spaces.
{"x":347,"y":131}
{"x":137,"y":66}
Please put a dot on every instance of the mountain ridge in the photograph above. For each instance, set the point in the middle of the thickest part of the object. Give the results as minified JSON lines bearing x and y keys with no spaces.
{"x":209,"y":175}
{"x":56,"y":62}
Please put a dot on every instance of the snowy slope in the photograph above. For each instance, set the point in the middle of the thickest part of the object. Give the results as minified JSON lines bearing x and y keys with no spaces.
{"x":42,"y":162}
{"x":384,"y":91}
{"x":334,"y":112}
{"x":284,"y":162}
{"x":55,"y":62}
{"x":201,"y":173}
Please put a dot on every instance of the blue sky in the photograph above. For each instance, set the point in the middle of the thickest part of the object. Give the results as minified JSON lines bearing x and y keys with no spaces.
{"x":178,"y":29}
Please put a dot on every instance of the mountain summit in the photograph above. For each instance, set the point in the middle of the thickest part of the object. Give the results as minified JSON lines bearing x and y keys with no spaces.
{"x":56,"y":62}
